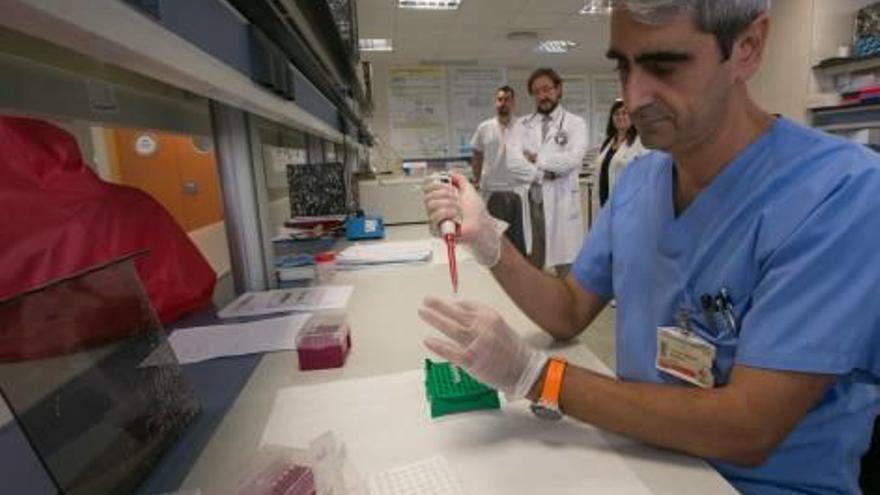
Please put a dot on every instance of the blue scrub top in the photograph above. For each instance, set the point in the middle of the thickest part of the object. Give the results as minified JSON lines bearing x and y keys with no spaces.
{"x":791,"y":228}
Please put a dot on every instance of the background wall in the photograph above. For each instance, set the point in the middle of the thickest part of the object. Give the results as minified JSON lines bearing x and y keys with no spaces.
{"x":783,"y":83}
{"x":516,"y":78}
{"x":803,"y":32}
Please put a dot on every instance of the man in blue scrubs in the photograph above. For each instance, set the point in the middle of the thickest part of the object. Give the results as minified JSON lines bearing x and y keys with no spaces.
{"x":742,"y":257}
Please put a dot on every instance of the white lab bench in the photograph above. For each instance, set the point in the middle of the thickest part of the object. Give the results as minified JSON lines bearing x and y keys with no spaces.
{"x":506,"y":451}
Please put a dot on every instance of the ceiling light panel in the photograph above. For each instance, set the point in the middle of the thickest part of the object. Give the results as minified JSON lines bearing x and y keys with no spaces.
{"x":555,"y":46}
{"x":596,"y":7}
{"x":429,"y":4}
{"x":376,"y":45}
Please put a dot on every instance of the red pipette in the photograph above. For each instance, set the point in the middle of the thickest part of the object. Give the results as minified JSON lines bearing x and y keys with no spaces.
{"x":448,"y":231}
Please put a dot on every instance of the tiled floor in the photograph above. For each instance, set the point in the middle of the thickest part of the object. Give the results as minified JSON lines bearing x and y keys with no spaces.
{"x":599,"y":337}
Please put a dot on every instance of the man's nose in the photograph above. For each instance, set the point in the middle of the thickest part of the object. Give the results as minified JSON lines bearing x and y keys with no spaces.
{"x":638,"y":90}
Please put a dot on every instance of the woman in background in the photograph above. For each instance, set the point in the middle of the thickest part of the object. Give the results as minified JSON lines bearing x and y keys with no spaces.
{"x":620,"y":147}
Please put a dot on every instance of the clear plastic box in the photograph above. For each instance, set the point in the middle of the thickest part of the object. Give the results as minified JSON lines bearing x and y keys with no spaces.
{"x":278,"y":475}
{"x":324,"y":343}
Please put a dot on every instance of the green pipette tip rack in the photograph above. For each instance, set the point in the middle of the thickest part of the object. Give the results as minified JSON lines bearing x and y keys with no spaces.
{"x":451,"y":390}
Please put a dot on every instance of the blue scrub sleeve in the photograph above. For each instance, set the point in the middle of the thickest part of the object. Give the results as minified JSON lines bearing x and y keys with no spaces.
{"x":592,"y":267}
{"x":817,"y":306}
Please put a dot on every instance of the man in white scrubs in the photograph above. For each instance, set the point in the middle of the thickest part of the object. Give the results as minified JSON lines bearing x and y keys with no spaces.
{"x":743,"y":258}
{"x":555,"y":141}
{"x":502,"y":173}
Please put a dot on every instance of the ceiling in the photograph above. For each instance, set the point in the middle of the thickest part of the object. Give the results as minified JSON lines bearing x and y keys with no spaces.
{"x":476,"y":34}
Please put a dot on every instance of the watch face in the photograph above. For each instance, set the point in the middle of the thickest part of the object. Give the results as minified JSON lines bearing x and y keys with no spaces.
{"x":544,"y":411}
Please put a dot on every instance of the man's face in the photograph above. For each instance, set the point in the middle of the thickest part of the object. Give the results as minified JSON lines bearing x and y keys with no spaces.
{"x":503,"y":103}
{"x":545,"y":93}
{"x":674,"y":84}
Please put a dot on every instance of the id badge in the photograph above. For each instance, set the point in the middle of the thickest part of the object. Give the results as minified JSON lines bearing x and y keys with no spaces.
{"x":686,"y":356}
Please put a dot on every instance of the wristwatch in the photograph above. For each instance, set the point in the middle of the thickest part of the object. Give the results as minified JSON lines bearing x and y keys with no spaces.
{"x":547,"y":405}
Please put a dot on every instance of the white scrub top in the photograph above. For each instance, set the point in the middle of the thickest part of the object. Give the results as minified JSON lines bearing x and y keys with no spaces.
{"x":505,"y":168}
{"x":791,"y":228}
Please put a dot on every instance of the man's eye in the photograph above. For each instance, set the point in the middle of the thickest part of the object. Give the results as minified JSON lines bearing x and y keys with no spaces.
{"x":660,"y":70}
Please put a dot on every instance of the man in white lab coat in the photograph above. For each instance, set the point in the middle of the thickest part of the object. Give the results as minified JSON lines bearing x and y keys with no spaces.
{"x":501,"y":172}
{"x":555,"y":142}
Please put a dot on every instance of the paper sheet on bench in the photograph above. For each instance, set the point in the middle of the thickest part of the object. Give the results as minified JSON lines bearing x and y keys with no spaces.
{"x":384,"y":423}
{"x":285,"y":300}
{"x":196,"y":344}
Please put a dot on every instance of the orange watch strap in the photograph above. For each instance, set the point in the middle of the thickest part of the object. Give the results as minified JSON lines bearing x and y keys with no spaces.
{"x":553,"y":380}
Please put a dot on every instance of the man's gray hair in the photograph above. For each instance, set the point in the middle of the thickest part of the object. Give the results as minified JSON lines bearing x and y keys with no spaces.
{"x":724,"y":19}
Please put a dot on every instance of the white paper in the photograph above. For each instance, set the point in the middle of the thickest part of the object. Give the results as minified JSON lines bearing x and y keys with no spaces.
{"x":286,"y":300}
{"x":385,"y":423}
{"x":192,"y":345}
{"x":385,"y":252}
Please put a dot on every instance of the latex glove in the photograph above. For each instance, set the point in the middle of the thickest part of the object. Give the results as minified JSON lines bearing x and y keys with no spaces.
{"x":483,"y":344}
{"x":480,"y":232}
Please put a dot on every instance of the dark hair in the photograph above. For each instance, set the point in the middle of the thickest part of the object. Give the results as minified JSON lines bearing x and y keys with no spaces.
{"x":506,"y":89}
{"x":544,"y":72}
{"x":611,"y":129}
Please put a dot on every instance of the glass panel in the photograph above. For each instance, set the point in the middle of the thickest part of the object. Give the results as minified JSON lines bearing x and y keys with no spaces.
{"x":91,"y":380}
{"x":316,"y":149}
{"x":330,"y":153}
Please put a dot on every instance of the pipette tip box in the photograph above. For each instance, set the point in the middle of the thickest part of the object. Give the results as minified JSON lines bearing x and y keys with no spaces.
{"x":451,"y":390}
{"x":323,"y":344}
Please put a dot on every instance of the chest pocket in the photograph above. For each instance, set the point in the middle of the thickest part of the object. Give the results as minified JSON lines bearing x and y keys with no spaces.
{"x":715,"y":326}
{"x":714,"y":329}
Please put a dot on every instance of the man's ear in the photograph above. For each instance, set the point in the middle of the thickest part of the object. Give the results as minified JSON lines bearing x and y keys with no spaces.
{"x":748,"y":49}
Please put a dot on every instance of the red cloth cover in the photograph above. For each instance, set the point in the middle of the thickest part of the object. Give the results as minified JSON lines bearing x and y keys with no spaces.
{"x":59,"y":218}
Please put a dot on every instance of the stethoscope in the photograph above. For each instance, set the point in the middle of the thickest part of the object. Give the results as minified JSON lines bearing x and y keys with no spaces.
{"x":561,"y":137}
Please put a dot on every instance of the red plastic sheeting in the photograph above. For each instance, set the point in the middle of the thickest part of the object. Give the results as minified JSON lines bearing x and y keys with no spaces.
{"x":59,"y":218}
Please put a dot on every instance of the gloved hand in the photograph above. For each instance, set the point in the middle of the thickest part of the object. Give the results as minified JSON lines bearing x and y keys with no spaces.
{"x":484,"y":345}
{"x":480,"y":232}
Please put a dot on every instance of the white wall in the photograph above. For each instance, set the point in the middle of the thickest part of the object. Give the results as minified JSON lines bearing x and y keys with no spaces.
{"x":783,"y":82}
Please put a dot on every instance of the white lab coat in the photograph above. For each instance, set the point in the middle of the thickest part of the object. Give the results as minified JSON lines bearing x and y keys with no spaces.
{"x":624,"y":156}
{"x":564,"y":157}
{"x":505,"y":168}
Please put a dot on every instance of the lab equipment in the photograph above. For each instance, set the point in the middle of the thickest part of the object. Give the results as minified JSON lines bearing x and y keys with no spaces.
{"x":448,"y":231}
{"x":295,"y":267}
{"x":325,"y":266}
{"x":322,"y":468}
{"x":362,"y":226}
{"x":324,"y":343}
{"x":448,"y":395}
{"x":278,"y":475}
{"x":426,"y":477}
